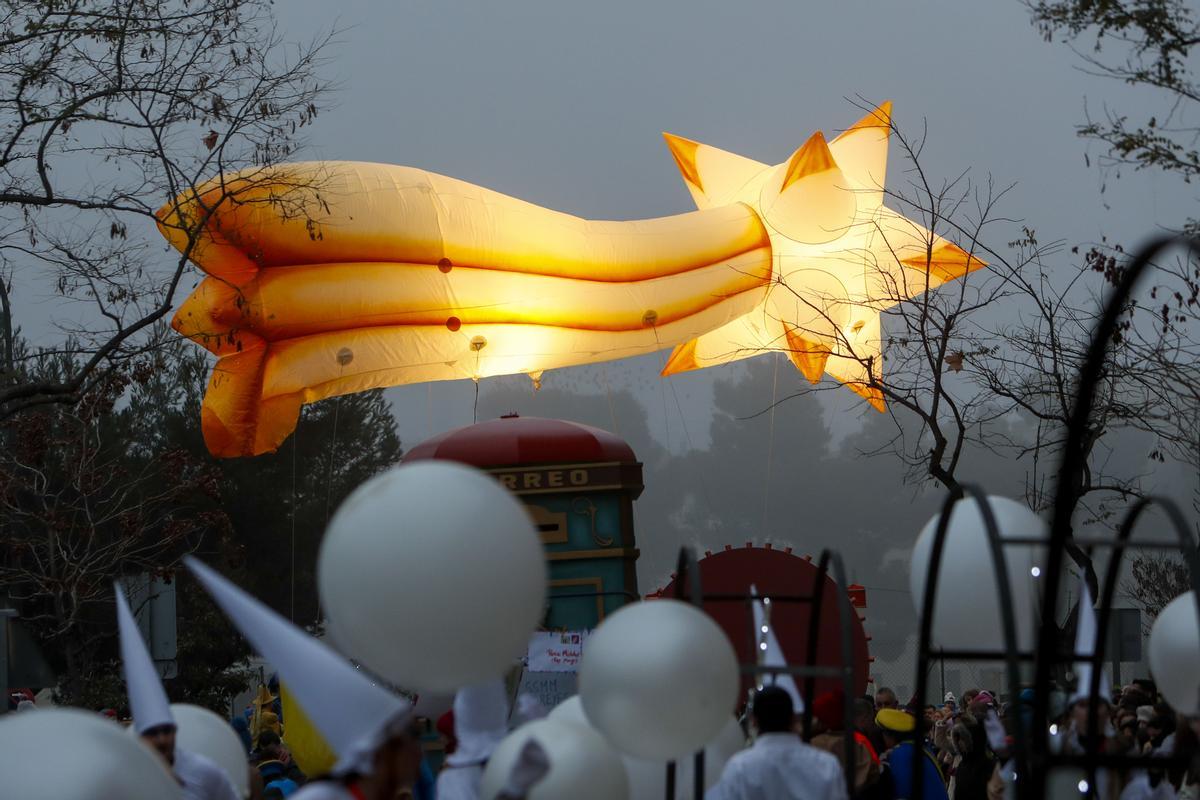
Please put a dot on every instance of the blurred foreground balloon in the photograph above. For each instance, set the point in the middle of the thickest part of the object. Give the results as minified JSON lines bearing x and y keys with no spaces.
{"x":582,"y":764}
{"x":659,"y":679}
{"x":1175,"y":654}
{"x":203,"y":732}
{"x":432,"y":575}
{"x":55,"y":754}
{"x":967,"y":607}
{"x":648,"y":778}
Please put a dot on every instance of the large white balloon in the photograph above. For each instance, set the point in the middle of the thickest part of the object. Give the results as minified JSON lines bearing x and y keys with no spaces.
{"x":1175,"y":654}
{"x":433,"y":575}
{"x":582,"y":764}
{"x":204,"y":732}
{"x":57,"y":753}
{"x":967,"y":608}
{"x":659,"y":679}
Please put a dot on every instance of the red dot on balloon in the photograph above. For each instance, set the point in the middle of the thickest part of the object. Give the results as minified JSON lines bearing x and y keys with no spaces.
{"x":444,"y":265}
{"x":453,"y":323}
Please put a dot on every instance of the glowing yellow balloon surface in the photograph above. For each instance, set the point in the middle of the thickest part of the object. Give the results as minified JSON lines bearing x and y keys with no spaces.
{"x":407,"y":276}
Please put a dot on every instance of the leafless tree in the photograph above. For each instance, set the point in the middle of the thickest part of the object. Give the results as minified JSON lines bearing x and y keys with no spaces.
{"x":113,"y":114}
{"x":990,"y":360}
{"x":1034,"y":367}
{"x":80,"y":508}
{"x":930,"y":333}
{"x":1144,"y":44}
{"x":1155,"y":580}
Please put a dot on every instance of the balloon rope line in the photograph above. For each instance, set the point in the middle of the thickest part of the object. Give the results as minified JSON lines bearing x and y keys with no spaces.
{"x":475,"y":410}
{"x":662,"y":390}
{"x":295,"y":448}
{"x":337,"y":407}
{"x":704,"y":493}
{"x":770,"y":446}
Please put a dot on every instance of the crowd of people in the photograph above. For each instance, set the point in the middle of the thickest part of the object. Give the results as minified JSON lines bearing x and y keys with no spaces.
{"x":871,"y":747}
{"x":967,"y":747}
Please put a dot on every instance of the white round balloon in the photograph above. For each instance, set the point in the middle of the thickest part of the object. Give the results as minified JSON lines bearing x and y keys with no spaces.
{"x":1175,"y":654}
{"x":967,"y":607}
{"x":582,"y":764}
{"x":57,"y":753}
{"x":208,"y":734}
{"x":433,"y":575}
{"x":659,"y":679}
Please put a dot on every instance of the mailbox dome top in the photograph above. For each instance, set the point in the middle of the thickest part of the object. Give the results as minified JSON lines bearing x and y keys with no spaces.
{"x":514,"y":441}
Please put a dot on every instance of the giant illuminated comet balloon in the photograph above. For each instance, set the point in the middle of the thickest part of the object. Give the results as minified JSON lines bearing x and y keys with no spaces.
{"x":407,"y":276}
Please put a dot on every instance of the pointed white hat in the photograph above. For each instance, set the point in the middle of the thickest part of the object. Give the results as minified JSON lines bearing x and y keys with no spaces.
{"x":772,"y":655}
{"x":354,"y":714}
{"x":1085,"y":643}
{"x":147,"y":700}
{"x":480,"y":722}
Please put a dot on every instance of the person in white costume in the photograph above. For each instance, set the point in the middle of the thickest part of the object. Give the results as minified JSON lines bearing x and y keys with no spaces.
{"x":779,"y":766}
{"x":201,"y":777}
{"x":480,"y":722}
{"x":370,"y":728}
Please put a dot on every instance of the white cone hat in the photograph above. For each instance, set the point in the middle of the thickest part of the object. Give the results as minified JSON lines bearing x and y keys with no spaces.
{"x":147,"y":701}
{"x":354,"y":714}
{"x":773,"y":656}
{"x":1085,"y":643}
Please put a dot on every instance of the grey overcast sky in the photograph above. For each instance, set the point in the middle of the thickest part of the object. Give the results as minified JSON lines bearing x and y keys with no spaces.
{"x":561,"y":103}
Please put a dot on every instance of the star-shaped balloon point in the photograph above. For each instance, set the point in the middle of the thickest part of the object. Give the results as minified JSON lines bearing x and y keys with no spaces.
{"x":839,"y":255}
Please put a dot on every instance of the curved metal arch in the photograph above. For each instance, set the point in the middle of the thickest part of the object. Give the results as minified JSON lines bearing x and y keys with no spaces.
{"x":1007,"y":622}
{"x":1120,"y":546}
{"x":1064,"y":501}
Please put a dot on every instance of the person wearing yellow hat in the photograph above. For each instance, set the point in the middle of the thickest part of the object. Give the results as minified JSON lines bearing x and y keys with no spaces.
{"x":897,"y":727}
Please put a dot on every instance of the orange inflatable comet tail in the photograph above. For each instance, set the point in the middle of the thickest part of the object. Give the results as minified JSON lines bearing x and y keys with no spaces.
{"x":390,"y":275}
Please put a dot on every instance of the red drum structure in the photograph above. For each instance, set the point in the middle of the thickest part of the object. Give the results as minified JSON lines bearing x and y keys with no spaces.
{"x":780,"y":574}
